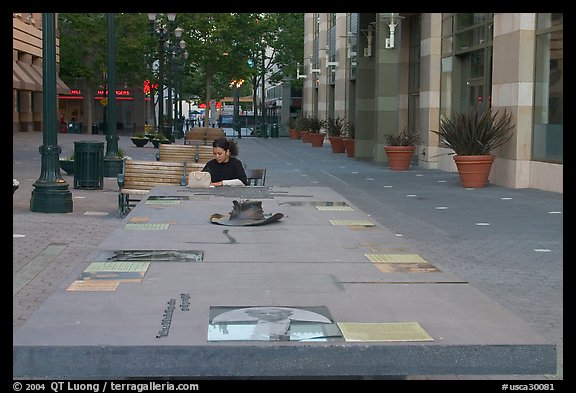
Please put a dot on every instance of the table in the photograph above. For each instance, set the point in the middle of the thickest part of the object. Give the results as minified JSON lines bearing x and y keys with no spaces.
{"x":142,"y":304}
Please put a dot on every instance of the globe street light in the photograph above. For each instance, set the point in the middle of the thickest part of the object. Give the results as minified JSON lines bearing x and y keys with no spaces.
{"x":163,"y":36}
{"x":235,"y":84}
{"x":175,"y":52}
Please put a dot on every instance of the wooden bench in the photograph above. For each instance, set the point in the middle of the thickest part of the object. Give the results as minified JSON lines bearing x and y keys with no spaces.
{"x":203,"y":135}
{"x":139,"y":177}
{"x":197,"y":153}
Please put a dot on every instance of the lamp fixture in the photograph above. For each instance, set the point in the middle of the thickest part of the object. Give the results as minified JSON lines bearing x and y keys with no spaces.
{"x":392,"y":20}
{"x":369,"y":33}
{"x":298,"y":75}
{"x":313,"y":70}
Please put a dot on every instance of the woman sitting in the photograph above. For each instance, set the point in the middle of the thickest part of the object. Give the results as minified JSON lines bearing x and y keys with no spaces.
{"x":225,"y":169}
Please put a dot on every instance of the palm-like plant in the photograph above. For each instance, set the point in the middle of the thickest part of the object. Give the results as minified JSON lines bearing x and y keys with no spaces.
{"x":474,"y":132}
{"x":336,"y":126}
{"x":404,"y":138}
{"x":315,"y":124}
{"x":301,"y":123}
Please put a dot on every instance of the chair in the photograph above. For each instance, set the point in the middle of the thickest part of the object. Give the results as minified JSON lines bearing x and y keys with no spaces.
{"x":256,"y":177}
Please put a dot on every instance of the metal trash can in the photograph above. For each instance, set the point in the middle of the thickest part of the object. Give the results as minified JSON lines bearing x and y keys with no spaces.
{"x":73,"y":128}
{"x":274,"y":132}
{"x":89,"y":165}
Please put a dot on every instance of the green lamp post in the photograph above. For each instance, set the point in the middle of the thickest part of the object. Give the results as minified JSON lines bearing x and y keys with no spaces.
{"x":112,"y":161}
{"x":51,"y":193}
{"x":235,"y":84}
{"x":264,"y":130}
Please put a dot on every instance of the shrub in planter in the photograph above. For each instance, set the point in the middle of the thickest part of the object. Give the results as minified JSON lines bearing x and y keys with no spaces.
{"x":400,"y":149}
{"x":473,"y":135}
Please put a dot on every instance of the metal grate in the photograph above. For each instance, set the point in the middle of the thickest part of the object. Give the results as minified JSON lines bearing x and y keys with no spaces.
{"x":395,"y":258}
{"x":352,"y":222}
{"x":147,"y":227}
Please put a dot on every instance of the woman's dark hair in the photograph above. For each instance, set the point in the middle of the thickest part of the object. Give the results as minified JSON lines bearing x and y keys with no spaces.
{"x":226,"y":144}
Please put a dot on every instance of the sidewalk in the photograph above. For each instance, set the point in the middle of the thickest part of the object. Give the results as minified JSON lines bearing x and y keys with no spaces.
{"x":507,"y":243}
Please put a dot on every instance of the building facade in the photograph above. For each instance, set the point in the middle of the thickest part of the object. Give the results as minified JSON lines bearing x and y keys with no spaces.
{"x":27,"y":72}
{"x":385,"y":72}
{"x":76,"y":103}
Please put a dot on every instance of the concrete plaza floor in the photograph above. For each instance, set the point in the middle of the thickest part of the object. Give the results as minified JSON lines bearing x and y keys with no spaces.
{"x":507,"y":243}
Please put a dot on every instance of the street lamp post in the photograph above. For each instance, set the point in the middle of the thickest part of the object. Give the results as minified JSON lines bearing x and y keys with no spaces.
{"x":176,"y":53}
{"x":264,"y":131}
{"x":51,"y":193}
{"x":163,"y":36}
{"x":236,"y":94}
{"x":112,"y":165}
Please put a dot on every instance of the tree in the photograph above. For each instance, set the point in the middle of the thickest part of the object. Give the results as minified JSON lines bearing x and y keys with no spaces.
{"x":83,"y":51}
{"x":221,"y":47}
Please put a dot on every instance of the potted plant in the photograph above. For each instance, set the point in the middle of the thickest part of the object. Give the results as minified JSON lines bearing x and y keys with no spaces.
{"x":315,"y":137}
{"x":337,"y":128}
{"x":400,"y":149}
{"x":349,"y":143}
{"x":302,"y":127}
{"x":473,"y":135}
{"x":293,"y":130}
{"x":159,"y":138}
{"x":139,"y":139}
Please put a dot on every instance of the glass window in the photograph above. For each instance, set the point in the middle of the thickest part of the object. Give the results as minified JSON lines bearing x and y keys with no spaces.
{"x":477,"y":64}
{"x":352,"y":32}
{"x":414,"y":72}
{"x":465,"y":20}
{"x":466,"y":75}
{"x":547,"y":138}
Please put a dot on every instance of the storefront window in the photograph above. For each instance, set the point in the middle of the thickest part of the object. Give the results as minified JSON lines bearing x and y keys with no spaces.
{"x":547,"y":143}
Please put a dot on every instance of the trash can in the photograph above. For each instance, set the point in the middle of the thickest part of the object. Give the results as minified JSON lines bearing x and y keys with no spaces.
{"x":274,"y":132}
{"x":73,"y":128}
{"x":89,"y":165}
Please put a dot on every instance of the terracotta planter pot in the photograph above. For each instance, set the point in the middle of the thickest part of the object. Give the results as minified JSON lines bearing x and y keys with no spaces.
{"x":337,"y":144}
{"x":474,"y":170}
{"x":349,"y":146}
{"x":304,"y":136}
{"x":399,"y":157}
{"x":316,"y":139}
{"x":294,"y":134}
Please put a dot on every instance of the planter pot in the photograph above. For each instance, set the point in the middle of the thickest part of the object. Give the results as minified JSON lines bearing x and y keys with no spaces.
{"x":474,"y":170}
{"x":399,"y":157}
{"x":140,"y":142}
{"x":349,"y":146}
{"x":316,"y":139}
{"x":294,"y":134}
{"x":67,"y":166}
{"x":304,"y":136}
{"x":157,"y":142}
{"x":337,"y":144}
